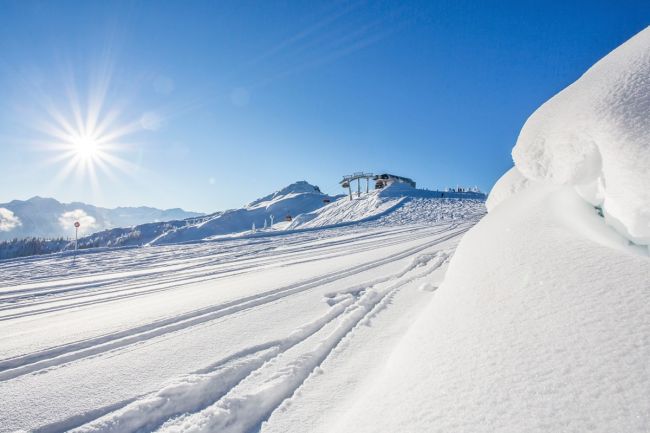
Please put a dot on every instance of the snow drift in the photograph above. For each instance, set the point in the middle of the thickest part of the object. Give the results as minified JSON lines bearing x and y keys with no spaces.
{"x":537,"y":328}
{"x":595,"y":136}
{"x":508,"y":185}
{"x":541,"y":324}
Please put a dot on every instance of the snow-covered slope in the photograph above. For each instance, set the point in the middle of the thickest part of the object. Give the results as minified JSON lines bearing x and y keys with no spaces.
{"x":542,"y":322}
{"x":49,"y":218}
{"x":539,"y":326}
{"x":382,"y":202}
{"x":308,"y":207}
{"x":293,"y":200}
{"x":297,"y":198}
{"x":345,"y":211}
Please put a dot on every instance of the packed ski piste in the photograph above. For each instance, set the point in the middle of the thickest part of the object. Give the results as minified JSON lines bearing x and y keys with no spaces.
{"x":393,"y":310}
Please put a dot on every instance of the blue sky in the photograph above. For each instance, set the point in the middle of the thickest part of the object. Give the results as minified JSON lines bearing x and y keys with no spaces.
{"x":208,"y":105}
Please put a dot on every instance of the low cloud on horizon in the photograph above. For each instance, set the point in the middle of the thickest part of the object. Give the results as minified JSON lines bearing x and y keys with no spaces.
{"x":86,"y":222}
{"x":8,"y":220}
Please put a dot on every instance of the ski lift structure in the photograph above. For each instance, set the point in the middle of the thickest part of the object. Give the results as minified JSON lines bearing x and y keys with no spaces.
{"x":349,"y":180}
{"x":381,"y":181}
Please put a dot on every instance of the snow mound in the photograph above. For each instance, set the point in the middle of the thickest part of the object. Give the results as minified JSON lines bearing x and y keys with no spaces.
{"x":541,"y":323}
{"x":595,"y":136}
{"x":538,"y":327}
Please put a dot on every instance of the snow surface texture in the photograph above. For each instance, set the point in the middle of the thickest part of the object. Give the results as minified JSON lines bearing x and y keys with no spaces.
{"x":536,"y":328}
{"x":222,"y":335}
{"x":507,"y":186}
{"x":595,"y":136}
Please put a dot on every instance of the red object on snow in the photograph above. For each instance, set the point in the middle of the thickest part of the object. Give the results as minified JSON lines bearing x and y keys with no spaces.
{"x":76,"y":224}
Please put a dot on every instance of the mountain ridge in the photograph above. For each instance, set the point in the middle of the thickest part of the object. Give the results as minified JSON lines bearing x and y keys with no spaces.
{"x":49,"y":218}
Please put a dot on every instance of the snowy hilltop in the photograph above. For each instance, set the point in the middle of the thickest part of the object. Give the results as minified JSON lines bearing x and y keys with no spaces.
{"x":541,"y":324}
{"x":285,"y":204}
{"x":380,"y":202}
{"x":49,"y":218}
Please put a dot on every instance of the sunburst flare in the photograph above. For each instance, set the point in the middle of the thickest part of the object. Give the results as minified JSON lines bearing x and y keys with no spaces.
{"x":87,"y":139}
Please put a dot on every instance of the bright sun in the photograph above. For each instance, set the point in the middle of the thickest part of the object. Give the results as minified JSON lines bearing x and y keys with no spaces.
{"x":87,"y":141}
{"x":87,"y":148}
{"x":87,"y":134}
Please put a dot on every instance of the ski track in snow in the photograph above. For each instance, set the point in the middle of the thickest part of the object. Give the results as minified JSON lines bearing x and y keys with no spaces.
{"x":237,"y":391}
{"x":17,"y":366}
{"x":197,"y":391}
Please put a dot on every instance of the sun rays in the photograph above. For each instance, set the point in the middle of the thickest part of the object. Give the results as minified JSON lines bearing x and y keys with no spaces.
{"x":89,"y":139}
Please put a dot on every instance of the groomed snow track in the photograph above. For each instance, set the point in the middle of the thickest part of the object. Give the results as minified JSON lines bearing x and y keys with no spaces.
{"x":211,"y":336}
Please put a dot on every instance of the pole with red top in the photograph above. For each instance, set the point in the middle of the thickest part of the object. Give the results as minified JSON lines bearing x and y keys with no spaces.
{"x":76,"y":236}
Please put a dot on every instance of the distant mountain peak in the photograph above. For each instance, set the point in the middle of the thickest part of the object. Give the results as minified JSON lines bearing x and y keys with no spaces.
{"x":299,"y":187}
{"x":39,"y":199}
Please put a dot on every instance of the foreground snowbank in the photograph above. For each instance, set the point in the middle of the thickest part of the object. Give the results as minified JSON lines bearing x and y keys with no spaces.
{"x":542,"y":323}
{"x":546,"y":335}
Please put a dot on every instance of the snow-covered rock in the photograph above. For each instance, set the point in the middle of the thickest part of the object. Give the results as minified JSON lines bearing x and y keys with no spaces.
{"x":595,"y":135}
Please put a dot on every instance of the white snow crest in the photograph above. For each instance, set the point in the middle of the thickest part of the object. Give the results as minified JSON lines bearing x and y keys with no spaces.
{"x":595,"y":135}
{"x":8,"y":220}
{"x":508,"y":185}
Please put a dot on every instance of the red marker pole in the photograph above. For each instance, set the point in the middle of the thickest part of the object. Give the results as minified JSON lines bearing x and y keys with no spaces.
{"x":76,"y":236}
